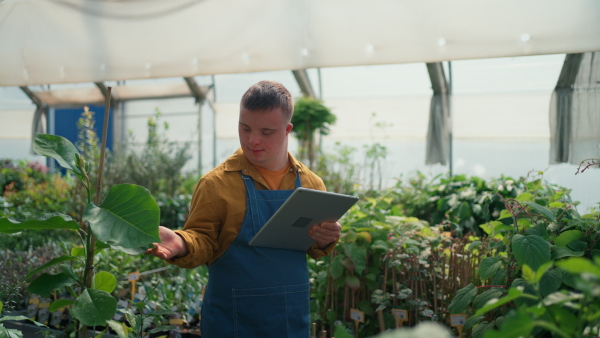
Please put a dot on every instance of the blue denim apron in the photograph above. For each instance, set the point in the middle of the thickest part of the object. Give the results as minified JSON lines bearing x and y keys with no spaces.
{"x":254,"y":291}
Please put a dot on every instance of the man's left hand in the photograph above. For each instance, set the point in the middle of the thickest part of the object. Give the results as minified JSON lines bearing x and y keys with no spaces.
{"x":325,"y":233}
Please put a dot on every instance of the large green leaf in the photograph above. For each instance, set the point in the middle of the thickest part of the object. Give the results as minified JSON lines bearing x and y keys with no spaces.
{"x":471,"y":321}
{"x":483,"y":327}
{"x":567,"y":237}
{"x":550,"y":282}
{"x":359,"y":258}
{"x":53,"y":262}
{"x":532,"y":250}
{"x":463,"y":298}
{"x":59,"y":303}
{"x":561,"y":297}
{"x":513,"y":293}
{"x":46,"y":283}
{"x":484,"y":297}
{"x":94,"y":307}
{"x":530,"y":295}
{"x":10,"y":333}
{"x":526,"y":196}
{"x":542,"y":210}
{"x":464,"y":211}
{"x":59,"y":148}
{"x":516,"y":324}
{"x":121,"y":329}
{"x":353,"y":282}
{"x":105,"y":281}
{"x":578,"y":265}
{"x":47,"y":221}
{"x":557,"y":252}
{"x":127,"y":220}
{"x":499,"y":278}
{"x":489,"y":266}
{"x":336,"y":269}
{"x":540,"y":230}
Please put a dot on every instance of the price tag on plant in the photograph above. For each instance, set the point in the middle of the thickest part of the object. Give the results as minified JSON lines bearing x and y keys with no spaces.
{"x":357,"y":315}
{"x":134,"y":276}
{"x":400,"y":314}
{"x":458,"y":320}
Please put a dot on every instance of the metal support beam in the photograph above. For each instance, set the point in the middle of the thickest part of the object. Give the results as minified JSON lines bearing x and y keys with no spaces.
{"x":104,"y":91}
{"x":439,"y":135}
{"x":36,"y":100}
{"x":561,"y":110}
{"x":304,"y":82}
{"x":40,"y":111}
{"x":200,"y":97}
{"x":195,"y":89}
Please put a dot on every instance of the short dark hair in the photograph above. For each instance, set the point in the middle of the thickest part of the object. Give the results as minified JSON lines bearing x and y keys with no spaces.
{"x":267,"y":95}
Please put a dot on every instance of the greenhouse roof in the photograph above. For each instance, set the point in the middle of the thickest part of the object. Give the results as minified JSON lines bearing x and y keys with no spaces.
{"x":73,"y":41}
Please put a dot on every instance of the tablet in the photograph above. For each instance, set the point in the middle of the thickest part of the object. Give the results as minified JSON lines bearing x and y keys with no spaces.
{"x":288,"y":227}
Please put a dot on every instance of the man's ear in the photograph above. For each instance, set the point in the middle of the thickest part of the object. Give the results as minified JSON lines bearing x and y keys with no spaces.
{"x":288,"y":128}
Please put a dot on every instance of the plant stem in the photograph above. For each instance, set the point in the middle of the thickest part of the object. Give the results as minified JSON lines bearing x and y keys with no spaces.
{"x":91,"y":239}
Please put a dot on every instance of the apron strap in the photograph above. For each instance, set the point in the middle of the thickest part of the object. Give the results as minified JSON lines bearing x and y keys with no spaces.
{"x":252,"y":200}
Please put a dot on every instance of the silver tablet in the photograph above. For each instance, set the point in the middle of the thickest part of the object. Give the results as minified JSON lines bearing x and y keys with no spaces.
{"x":288,"y":227}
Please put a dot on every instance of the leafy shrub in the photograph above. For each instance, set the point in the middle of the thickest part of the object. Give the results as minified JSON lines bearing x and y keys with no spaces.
{"x":463,"y":203}
{"x":547,"y":258}
{"x":174,"y":210}
{"x":343,"y":170}
{"x":387,"y":259}
{"x":156,"y":164}
{"x":16,"y":264}
{"x":310,"y":117}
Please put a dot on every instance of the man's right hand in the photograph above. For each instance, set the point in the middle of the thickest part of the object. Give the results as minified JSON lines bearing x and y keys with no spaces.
{"x":172,"y":245}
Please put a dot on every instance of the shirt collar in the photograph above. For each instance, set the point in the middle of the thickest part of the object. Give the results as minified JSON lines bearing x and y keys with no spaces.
{"x":239,"y":162}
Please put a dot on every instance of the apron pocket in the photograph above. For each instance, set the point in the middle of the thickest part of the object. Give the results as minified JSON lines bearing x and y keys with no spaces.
{"x":281,"y":311}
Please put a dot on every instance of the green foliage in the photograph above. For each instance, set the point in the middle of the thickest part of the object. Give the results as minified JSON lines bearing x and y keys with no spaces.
{"x":174,"y":210}
{"x":464,"y":203}
{"x":129,"y":205}
{"x":386,"y":260}
{"x":549,"y":259}
{"x":310,"y":116}
{"x":156,"y":164}
{"x":18,"y":262}
{"x":29,"y":191}
{"x":344,"y":171}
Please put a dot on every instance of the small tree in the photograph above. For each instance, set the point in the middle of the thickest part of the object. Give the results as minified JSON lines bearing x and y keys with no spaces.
{"x":310,"y":115}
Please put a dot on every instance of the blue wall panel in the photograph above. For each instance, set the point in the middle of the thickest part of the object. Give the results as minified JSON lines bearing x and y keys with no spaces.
{"x":65,"y":124}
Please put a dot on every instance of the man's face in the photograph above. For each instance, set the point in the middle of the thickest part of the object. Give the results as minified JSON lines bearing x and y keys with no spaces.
{"x":263,"y":137}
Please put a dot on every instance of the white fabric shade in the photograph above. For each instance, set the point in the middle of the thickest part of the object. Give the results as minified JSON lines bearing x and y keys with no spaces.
{"x":69,"y":41}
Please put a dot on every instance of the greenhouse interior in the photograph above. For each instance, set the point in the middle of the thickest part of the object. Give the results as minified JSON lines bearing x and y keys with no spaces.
{"x":467,"y":132}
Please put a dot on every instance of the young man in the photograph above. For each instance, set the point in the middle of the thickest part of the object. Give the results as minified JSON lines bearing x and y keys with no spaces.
{"x":251,"y":291}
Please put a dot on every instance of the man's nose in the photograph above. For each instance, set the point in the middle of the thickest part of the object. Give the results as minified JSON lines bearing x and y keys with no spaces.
{"x":254,"y":138}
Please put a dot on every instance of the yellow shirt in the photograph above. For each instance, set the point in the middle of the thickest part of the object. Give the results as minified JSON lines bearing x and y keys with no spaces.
{"x":218,"y":208}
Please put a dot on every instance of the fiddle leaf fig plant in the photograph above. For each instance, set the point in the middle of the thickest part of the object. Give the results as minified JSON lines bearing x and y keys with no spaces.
{"x":127,"y":220}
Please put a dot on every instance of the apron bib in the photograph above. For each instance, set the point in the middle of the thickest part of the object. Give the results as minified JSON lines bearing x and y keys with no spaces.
{"x":253,"y":291}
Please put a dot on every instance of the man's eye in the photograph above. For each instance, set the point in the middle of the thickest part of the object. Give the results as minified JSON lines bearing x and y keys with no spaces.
{"x":267,"y":132}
